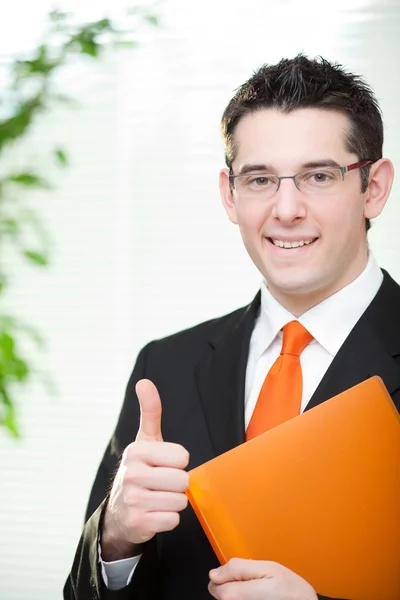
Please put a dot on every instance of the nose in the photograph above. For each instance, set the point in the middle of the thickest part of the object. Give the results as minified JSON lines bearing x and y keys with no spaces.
{"x":289,"y":205}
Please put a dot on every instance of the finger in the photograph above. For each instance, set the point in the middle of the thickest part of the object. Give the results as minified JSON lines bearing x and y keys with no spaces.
{"x":240,"y":569}
{"x":157,"y":522}
{"x":225,"y":590}
{"x":162,"y":479}
{"x":165,"y":454}
{"x":156,"y":501}
{"x":213,"y":590}
{"x":150,"y":411}
{"x":256,"y":589}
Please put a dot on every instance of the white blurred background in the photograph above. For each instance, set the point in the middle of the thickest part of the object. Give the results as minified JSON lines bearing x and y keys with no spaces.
{"x":141,"y":245}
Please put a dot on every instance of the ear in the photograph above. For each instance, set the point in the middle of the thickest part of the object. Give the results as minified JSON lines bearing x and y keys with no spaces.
{"x":226,"y":196}
{"x":380,"y":183}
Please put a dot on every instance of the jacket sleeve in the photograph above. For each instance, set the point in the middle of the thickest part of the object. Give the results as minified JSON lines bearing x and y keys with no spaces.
{"x":85,"y":581}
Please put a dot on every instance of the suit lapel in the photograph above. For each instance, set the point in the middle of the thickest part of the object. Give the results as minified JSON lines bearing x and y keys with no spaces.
{"x":221,"y":380}
{"x":361,"y":356}
{"x":369,"y":349}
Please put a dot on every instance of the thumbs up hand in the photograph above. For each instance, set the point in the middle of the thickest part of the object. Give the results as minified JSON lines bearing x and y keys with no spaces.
{"x":148,"y":490}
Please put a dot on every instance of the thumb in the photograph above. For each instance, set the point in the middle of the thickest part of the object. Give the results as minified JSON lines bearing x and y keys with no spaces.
{"x":240,"y":569}
{"x":150,"y":411}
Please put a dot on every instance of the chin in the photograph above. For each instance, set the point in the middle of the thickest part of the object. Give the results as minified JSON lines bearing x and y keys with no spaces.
{"x":293,"y":286}
{"x":295,"y":283}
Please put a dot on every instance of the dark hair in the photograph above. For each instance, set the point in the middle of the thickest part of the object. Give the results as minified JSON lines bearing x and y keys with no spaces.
{"x":301,"y":82}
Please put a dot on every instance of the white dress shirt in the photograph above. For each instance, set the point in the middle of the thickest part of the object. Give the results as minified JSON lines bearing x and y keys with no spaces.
{"x":329,"y":322}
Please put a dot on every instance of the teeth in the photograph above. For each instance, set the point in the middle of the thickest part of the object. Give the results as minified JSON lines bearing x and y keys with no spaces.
{"x":291,"y":244}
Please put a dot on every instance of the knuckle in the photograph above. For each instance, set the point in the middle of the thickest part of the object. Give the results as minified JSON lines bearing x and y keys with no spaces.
{"x":133,"y":521}
{"x":185,"y":457}
{"x":162,"y":522}
{"x":184,"y":502}
{"x":129,"y":452}
{"x":171,"y":521}
{"x":138,"y":450}
{"x":275,"y":567}
{"x":132,"y":497}
{"x":234,"y":563}
{"x":133,"y":473}
{"x":184,"y":480}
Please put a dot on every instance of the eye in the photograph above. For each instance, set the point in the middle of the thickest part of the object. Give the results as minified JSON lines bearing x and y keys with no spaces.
{"x":259,"y":181}
{"x":322,"y":177}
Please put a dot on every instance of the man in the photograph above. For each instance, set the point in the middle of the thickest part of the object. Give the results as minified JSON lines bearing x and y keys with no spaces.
{"x":305,"y":173}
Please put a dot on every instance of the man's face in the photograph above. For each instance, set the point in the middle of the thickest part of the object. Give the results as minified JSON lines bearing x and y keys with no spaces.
{"x":302,"y":276}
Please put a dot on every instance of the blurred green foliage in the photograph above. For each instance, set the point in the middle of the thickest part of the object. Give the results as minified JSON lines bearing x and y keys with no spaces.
{"x":32,"y":93}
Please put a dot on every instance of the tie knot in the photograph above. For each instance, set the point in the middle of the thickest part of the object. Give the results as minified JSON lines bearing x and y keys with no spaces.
{"x":295,"y":338}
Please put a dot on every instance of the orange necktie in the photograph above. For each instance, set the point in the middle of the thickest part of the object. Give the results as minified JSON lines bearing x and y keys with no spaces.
{"x":280,"y":396}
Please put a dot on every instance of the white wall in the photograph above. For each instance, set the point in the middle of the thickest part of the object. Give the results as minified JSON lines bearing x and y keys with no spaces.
{"x":142,"y":247}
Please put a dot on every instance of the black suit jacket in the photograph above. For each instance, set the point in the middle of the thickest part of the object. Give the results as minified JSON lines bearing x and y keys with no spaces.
{"x":200,"y":374}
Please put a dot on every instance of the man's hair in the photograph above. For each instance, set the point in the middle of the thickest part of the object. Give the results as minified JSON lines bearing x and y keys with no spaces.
{"x":301,"y":82}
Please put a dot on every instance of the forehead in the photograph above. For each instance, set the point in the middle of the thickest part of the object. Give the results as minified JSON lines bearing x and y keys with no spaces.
{"x":270,"y":136}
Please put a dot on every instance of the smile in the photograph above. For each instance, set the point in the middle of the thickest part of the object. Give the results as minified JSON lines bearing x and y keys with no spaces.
{"x":294,"y":244}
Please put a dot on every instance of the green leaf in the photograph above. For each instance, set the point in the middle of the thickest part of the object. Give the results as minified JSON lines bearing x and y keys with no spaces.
{"x":17,"y":125}
{"x":152,"y":19}
{"x":29,"y":179}
{"x":6,"y":346}
{"x":61,"y":157}
{"x":57,"y":15}
{"x":9,"y":419}
{"x":12,"y":324}
{"x":10,"y":227}
{"x":36,"y":257}
{"x":21,"y":369}
{"x":126,"y":44}
{"x":41,"y":64}
{"x":101,"y":26}
{"x":84,"y":46}
{"x":91,"y":48}
{"x":12,"y":366}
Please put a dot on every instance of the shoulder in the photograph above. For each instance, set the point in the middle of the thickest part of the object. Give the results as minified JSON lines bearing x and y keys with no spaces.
{"x":389,"y":292}
{"x":390,"y":282}
{"x":383,"y":314}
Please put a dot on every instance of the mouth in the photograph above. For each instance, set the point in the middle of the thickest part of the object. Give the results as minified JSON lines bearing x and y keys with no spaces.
{"x":292,"y":245}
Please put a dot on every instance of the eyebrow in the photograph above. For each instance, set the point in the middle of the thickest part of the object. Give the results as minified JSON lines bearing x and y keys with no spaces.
{"x":313,"y":164}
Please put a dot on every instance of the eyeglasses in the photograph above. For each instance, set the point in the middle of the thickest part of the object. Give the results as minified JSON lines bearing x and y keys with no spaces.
{"x":324,"y":180}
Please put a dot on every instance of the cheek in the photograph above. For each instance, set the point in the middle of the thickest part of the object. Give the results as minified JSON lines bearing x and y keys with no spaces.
{"x":342,"y":221}
{"x":251,"y":219}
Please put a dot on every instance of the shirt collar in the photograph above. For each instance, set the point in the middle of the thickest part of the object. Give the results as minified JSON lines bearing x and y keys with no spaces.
{"x":330,"y":321}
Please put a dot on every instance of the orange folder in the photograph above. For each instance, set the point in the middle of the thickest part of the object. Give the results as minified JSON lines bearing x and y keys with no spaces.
{"x":319,"y":494}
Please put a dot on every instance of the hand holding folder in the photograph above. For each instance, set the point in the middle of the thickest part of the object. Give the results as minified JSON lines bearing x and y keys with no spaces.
{"x":319,"y":494}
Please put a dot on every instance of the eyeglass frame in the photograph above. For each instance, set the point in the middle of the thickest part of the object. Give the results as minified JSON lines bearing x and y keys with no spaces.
{"x":358,"y":165}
